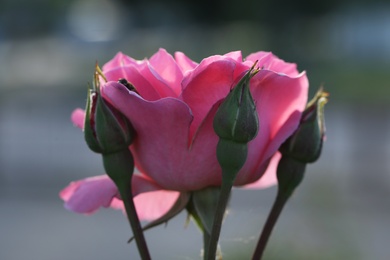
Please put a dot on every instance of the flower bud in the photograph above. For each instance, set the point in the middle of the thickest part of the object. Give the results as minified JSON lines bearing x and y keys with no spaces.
{"x":236,"y":123}
{"x":305,"y":144}
{"x":290,"y":173}
{"x":236,"y":119}
{"x":106,"y":130}
{"x":89,"y":123}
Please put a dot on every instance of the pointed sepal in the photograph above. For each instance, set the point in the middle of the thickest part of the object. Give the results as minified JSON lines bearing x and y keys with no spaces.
{"x":305,"y":144}
{"x":236,"y":119}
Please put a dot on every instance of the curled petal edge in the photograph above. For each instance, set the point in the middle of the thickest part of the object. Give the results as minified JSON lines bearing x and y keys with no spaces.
{"x":88,"y":195}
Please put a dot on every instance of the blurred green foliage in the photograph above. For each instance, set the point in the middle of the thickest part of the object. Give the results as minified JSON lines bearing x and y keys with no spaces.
{"x":352,"y":82}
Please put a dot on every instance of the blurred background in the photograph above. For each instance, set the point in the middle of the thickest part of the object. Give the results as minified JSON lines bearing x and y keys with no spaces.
{"x":48,"y":49}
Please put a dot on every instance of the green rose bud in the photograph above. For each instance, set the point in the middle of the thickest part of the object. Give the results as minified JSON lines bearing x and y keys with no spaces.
{"x":89,"y":123}
{"x":236,"y":119}
{"x":305,"y":144}
{"x":236,"y":123}
{"x":106,"y":130}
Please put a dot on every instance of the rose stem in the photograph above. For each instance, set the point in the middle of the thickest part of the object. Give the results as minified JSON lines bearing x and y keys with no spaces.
{"x":273,"y":216}
{"x":126,"y":194}
{"x":120,"y":167}
{"x":226,"y":187}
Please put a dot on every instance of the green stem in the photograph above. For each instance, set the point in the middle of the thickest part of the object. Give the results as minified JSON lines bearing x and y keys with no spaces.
{"x":126,"y":194}
{"x":206,"y":241}
{"x":210,"y":251}
{"x":273,"y":216}
{"x":119,"y":167}
{"x":290,"y":173}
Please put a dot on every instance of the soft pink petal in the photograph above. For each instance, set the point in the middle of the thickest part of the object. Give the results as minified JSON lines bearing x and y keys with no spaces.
{"x":151,"y":202}
{"x":210,"y":82}
{"x":132,"y":74}
{"x":119,"y":60}
{"x":203,"y":149}
{"x":78,"y":117}
{"x":166,"y":67}
{"x":269,"y":61}
{"x":269,"y":177}
{"x":117,"y":203}
{"x":152,"y":205}
{"x":155,"y":80}
{"x":234,"y":55}
{"x":139,"y":73}
{"x":280,"y":101}
{"x":241,"y":67}
{"x":206,"y":85}
{"x":161,"y":146}
{"x":88,"y":195}
{"x":184,"y":63}
{"x":260,"y":56}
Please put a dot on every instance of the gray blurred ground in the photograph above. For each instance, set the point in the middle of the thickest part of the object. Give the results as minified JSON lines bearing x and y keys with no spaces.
{"x":341,"y":210}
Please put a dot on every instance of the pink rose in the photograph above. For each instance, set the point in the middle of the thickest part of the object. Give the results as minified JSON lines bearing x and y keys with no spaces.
{"x":175,"y":146}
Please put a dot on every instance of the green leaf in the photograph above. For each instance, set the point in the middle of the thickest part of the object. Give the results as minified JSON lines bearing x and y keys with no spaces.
{"x":205,"y":203}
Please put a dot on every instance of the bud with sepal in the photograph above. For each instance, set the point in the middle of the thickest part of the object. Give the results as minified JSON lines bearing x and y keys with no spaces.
{"x":109,"y":132}
{"x":236,"y":119}
{"x":106,"y":130}
{"x":302,"y":147}
{"x":305,"y":144}
{"x":236,"y":123}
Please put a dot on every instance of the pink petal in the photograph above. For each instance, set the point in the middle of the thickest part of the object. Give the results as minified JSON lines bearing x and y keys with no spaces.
{"x":132,"y":74}
{"x":234,"y":55}
{"x":203,"y":149}
{"x":117,"y":203}
{"x":78,"y":117}
{"x":155,"y":80}
{"x":166,"y":67}
{"x":153,"y":205}
{"x":119,"y":60}
{"x":184,"y":63}
{"x":269,"y":177}
{"x":88,"y":195}
{"x":210,"y":82}
{"x":150,"y":204}
{"x":280,"y":101}
{"x":207,"y":84}
{"x":161,"y":146}
{"x":269,"y":61}
{"x":137,"y":73}
{"x":260,"y":56}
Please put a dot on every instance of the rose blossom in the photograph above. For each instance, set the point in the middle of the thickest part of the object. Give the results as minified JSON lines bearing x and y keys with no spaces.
{"x":172,"y":114}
